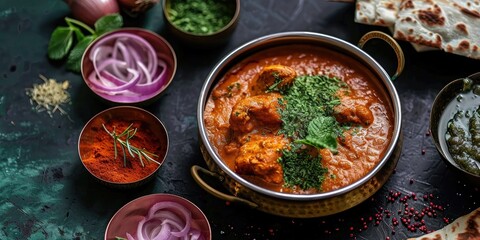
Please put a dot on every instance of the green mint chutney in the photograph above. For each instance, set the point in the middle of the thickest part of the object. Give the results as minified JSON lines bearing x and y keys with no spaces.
{"x":201,"y":16}
{"x":462,"y":136}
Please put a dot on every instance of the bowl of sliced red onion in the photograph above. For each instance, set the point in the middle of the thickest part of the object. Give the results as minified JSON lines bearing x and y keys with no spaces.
{"x":129,"y":66}
{"x":159,"y":216}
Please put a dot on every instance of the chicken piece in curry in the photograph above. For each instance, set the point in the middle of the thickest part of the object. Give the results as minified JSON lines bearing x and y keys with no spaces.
{"x":350,"y":112}
{"x":256,"y":111}
{"x":273,"y":77}
{"x":260,"y":158}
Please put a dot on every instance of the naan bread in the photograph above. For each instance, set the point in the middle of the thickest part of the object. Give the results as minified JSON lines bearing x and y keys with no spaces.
{"x":451,"y":25}
{"x":416,"y":46}
{"x":377,"y":12}
{"x":463,"y":228}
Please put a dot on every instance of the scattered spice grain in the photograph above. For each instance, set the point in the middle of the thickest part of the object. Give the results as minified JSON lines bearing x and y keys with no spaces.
{"x":49,"y":96}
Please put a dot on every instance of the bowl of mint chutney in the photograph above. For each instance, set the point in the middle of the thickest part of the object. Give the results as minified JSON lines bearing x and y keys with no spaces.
{"x":455,"y":125}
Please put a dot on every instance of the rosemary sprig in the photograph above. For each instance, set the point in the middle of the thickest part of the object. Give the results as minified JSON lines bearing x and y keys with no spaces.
{"x":129,"y":133}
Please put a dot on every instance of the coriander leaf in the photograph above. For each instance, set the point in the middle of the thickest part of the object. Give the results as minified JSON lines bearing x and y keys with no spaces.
{"x":108,"y":23}
{"x":60,"y":43}
{"x":75,"y":57}
{"x":321,"y":133}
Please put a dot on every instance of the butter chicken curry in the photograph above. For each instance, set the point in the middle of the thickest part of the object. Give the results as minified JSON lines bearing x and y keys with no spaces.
{"x":299,"y":119}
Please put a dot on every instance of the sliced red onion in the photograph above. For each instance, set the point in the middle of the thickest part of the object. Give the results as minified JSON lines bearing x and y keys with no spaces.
{"x":126,"y":67}
{"x":152,"y":56}
{"x":116,"y":84}
{"x":166,"y":221}
{"x":120,"y":48}
{"x":155,"y":84}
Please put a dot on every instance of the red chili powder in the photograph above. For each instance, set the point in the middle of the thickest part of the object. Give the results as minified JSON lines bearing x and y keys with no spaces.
{"x":99,"y":153}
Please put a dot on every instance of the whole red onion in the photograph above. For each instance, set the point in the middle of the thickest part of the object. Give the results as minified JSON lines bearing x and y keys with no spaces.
{"x":137,"y":6}
{"x":89,"y":11}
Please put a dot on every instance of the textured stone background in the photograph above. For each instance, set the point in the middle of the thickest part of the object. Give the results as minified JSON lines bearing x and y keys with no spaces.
{"x":45,"y":193}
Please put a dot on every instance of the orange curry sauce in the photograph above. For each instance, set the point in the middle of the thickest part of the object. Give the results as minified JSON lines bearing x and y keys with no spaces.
{"x":362,"y":147}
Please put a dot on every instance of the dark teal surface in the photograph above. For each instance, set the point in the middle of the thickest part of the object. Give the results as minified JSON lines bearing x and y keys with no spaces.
{"x":45,"y":193}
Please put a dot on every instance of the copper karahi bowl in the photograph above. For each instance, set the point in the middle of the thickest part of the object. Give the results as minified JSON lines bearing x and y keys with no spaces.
{"x":244,"y":191}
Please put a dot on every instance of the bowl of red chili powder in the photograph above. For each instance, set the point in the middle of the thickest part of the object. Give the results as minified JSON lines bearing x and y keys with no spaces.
{"x":123,"y":146}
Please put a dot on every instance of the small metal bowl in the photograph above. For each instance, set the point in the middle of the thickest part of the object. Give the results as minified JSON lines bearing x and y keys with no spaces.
{"x":203,"y":40}
{"x":162,"y":48}
{"x":439,"y":119}
{"x":90,"y":136}
{"x":126,"y":219}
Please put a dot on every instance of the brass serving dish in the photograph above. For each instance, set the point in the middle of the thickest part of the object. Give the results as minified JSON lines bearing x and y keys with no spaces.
{"x":295,"y":205}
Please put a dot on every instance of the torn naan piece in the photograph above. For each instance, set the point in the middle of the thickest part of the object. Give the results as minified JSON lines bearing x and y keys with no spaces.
{"x":451,"y":25}
{"x":463,"y":228}
{"x":416,"y":46}
{"x":377,"y":12}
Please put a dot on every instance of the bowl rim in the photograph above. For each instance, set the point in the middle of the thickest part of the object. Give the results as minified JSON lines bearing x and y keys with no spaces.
{"x":231,"y":23}
{"x":255,"y":45}
{"x":445,"y":154}
{"x":142,"y":111}
{"x":131,"y":30}
{"x":179,"y":199}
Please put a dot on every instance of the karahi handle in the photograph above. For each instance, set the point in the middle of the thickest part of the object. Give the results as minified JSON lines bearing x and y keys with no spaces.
{"x":396,"y":47}
{"x":194,"y":170}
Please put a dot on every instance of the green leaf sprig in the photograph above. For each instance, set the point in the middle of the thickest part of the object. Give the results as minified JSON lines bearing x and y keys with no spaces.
{"x":129,"y":133}
{"x":72,"y":40}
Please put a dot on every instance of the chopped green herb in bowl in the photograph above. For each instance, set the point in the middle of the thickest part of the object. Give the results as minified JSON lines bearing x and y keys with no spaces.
{"x":201,"y":22}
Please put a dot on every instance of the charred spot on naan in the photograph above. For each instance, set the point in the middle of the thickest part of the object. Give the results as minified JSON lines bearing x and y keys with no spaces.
{"x":432,"y":16}
{"x":451,"y":25}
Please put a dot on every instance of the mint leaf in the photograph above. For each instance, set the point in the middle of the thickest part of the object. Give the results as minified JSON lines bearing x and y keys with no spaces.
{"x":74,"y":60}
{"x":79,"y":34}
{"x":60,"y":43}
{"x":108,"y":23}
{"x":63,"y":38}
{"x":321,"y":133}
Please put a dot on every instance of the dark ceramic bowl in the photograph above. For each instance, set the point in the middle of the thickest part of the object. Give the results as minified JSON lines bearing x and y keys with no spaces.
{"x":439,"y":118}
{"x":127,"y":218}
{"x":203,"y":40}
{"x":163,"y":50}
{"x":150,"y":125}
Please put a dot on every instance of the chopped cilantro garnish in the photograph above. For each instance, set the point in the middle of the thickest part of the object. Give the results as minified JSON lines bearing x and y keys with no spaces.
{"x":302,"y":169}
{"x":308,"y":98}
{"x":307,"y":114}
